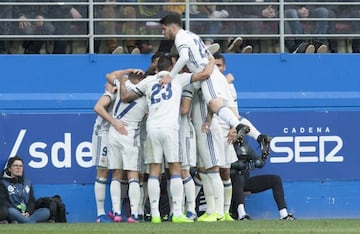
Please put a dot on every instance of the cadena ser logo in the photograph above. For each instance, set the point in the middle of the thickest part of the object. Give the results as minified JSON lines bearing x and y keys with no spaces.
{"x":307,"y":145}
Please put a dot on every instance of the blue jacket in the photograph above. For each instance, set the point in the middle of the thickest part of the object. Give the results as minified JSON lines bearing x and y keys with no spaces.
{"x":15,"y":191}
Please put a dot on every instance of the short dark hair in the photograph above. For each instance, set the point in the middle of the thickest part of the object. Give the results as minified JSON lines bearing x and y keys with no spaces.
{"x":135,"y":76}
{"x":11,"y":161}
{"x":219,"y":56}
{"x":171,"y":18}
{"x":164,"y":63}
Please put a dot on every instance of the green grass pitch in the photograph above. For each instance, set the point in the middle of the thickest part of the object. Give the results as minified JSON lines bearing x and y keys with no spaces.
{"x":255,"y":226}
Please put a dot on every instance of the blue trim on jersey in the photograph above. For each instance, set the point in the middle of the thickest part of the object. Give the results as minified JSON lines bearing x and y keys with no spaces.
{"x":152,"y":177}
{"x":187,"y":93}
{"x":211,"y":88}
{"x":175,"y":176}
{"x":187,"y":179}
{"x":227,"y":184}
{"x":210,"y":141}
{"x":134,"y":181}
{"x":100,"y":180}
{"x":138,"y":91}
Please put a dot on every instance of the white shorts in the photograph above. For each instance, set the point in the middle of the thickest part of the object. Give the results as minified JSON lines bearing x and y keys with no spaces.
{"x":216,"y":87}
{"x":162,"y":142}
{"x":100,"y":149}
{"x":230,"y":154}
{"x":124,"y":150}
{"x":210,"y":146}
{"x":188,"y":143}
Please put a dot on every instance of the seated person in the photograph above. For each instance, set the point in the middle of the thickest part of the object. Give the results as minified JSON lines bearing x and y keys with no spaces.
{"x":243,"y":182}
{"x":17,"y":194}
{"x":26,"y":27}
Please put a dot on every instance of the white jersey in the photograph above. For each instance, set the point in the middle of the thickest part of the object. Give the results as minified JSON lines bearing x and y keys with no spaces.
{"x":102,"y":126}
{"x":124,"y":150}
{"x":131,"y":113}
{"x":196,"y":48}
{"x":163,"y":102}
{"x":194,"y":54}
{"x":100,"y":137}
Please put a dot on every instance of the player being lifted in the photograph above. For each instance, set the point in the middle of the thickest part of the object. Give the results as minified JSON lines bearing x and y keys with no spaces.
{"x":194,"y":54}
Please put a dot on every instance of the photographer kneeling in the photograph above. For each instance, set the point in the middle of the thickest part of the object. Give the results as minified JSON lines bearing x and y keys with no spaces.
{"x":242,"y":182}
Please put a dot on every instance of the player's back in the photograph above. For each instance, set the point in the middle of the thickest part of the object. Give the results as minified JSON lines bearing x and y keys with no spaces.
{"x":163,"y":102}
{"x":196,"y":48}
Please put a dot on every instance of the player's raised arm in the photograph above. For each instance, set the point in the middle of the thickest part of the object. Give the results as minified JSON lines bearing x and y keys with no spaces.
{"x":101,"y":106}
{"x":180,"y":62}
{"x":125,"y":94}
{"x":117,"y":74}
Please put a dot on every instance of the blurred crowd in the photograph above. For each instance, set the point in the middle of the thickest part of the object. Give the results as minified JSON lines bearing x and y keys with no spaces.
{"x":130,"y":26}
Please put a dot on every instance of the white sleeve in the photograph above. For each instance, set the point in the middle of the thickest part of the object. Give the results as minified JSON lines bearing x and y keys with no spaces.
{"x":181,"y":62}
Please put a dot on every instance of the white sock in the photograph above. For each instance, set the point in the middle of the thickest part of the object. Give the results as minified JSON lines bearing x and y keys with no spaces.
{"x":254,"y":133}
{"x":283,"y":213}
{"x":228,"y":116}
{"x":134,"y":196}
{"x":115,"y":193}
{"x":208,"y":193}
{"x":218,"y":190}
{"x":145,"y":196}
{"x":189,"y":191}
{"x":154,"y":195}
{"x":177,"y":191}
{"x":241,"y":211}
{"x":100,"y":192}
{"x":141,"y":204}
{"x":227,"y":195}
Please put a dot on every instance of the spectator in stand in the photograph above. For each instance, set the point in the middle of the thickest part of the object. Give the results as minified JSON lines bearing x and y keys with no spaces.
{"x":300,"y":45}
{"x":5,"y":13}
{"x":17,"y":194}
{"x":346,"y":11}
{"x":132,"y":27}
{"x":62,"y":11}
{"x":26,"y":12}
{"x":207,"y":27}
{"x":243,"y":182}
{"x":260,"y":9}
{"x":355,"y":13}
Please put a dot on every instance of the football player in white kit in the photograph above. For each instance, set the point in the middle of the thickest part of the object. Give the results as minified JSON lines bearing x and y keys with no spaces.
{"x":262,"y":139}
{"x":124,"y":149}
{"x":194,"y":54}
{"x":163,"y":131}
{"x":210,"y":152}
{"x":103,"y":108}
{"x":188,"y":150}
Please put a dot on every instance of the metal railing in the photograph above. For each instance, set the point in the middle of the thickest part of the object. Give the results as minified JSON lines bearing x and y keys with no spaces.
{"x":91,"y":25}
